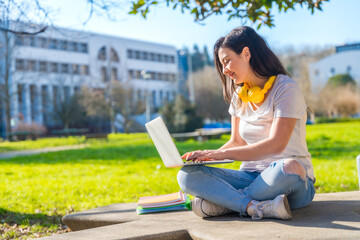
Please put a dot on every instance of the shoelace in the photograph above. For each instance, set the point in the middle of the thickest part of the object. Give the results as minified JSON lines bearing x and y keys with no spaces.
{"x":259,"y":207}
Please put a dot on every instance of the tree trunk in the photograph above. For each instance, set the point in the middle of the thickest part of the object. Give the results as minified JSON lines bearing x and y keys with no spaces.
{"x":7,"y":87}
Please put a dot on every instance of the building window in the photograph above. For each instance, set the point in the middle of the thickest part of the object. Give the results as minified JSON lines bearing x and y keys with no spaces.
{"x":19,"y":64}
{"x":83,"y":47}
{"x":142,"y":55}
{"x":103,"y":74}
{"x":75,"y":69}
{"x":332,"y":71}
{"x":113,"y":55}
{"x":85,"y":70}
{"x":152,"y":56}
{"x":130,"y":74}
{"x":43,"y":43}
{"x":102,"y":53}
{"x":64,"y":68}
{"x":146,"y":56}
{"x":54,"y":67}
{"x":31,"y":65}
{"x":172,"y":77}
{"x":348,"y":69}
{"x":138,"y":74}
{"x":73,"y":46}
{"x":19,"y":40}
{"x":114,"y":74}
{"x":53,"y":44}
{"x":63,"y":45}
{"x":158,"y":57}
{"x":130,"y":53}
{"x":152,"y":75}
{"x":137,"y":54}
{"x":43,"y":66}
{"x":172,"y":59}
{"x":32,"y":41}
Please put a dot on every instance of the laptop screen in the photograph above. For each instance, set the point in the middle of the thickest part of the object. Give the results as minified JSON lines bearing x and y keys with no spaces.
{"x":164,"y":143}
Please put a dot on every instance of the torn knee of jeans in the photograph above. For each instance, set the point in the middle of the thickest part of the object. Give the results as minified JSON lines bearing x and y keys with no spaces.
{"x":294,"y":167}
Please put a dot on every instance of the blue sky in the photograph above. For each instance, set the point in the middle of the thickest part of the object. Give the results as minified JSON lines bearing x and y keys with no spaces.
{"x":338,"y":23}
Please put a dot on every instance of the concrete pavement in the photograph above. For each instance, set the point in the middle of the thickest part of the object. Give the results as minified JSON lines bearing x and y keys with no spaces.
{"x":330,"y":216}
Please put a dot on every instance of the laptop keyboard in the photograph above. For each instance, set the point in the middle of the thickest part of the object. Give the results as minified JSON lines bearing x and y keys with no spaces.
{"x":192,"y":162}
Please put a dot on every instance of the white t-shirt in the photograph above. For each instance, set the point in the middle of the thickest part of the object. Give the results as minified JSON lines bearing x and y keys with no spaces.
{"x":284,"y":100}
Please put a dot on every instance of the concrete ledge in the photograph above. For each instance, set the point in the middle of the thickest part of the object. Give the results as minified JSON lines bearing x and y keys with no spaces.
{"x":330,"y":216}
{"x":102,"y":216}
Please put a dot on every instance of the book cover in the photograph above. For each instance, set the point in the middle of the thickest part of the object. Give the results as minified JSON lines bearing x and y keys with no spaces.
{"x":168,"y":202}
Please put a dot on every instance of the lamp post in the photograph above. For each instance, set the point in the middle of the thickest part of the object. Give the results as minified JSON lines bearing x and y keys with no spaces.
{"x":146,"y":76}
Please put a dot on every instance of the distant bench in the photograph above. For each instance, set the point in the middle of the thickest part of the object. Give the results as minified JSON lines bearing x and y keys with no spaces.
{"x":96,"y":136}
{"x":23,"y":135}
{"x":201,"y":135}
{"x":70,"y":132}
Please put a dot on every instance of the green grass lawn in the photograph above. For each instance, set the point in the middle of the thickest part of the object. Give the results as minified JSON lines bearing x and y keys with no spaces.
{"x":36,"y":191}
{"x":40,"y":143}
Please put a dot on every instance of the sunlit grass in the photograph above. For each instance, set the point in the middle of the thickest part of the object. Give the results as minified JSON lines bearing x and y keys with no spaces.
{"x":37,"y":190}
{"x":7,"y":146}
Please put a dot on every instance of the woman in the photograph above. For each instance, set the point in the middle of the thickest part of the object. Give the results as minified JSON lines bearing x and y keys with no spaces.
{"x":268,"y":117}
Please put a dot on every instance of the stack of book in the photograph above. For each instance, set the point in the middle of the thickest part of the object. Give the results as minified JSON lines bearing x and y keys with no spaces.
{"x":162,"y":203}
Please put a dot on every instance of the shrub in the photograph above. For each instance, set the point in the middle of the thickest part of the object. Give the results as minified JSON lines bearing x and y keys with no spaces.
{"x":181,"y":116}
{"x":337,"y":101}
{"x":33,"y":130}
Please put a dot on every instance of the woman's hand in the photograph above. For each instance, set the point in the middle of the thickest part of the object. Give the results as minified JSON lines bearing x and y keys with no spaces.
{"x":203,"y":155}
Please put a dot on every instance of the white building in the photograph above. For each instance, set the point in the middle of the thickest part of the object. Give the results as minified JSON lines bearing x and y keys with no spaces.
{"x":345,"y":60}
{"x":60,"y":61}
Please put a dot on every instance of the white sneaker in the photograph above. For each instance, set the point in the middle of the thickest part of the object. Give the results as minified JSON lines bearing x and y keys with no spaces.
{"x":204,"y":208}
{"x":276,"y":208}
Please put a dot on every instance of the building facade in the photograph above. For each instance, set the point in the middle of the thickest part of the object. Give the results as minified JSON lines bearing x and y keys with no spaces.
{"x":345,"y":60}
{"x":58,"y":62}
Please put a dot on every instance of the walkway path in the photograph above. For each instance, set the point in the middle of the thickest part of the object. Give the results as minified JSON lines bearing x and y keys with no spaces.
{"x":7,"y":155}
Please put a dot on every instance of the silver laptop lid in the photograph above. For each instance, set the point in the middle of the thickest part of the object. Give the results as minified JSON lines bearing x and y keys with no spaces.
{"x":164,"y":143}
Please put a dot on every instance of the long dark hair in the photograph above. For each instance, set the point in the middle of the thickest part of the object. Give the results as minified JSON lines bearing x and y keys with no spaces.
{"x":263,"y":61}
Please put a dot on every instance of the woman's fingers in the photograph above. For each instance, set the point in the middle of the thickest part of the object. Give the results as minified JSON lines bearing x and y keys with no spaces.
{"x":192,"y":155}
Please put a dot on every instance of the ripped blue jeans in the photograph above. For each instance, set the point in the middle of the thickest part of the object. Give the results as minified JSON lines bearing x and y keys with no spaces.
{"x":234,"y":189}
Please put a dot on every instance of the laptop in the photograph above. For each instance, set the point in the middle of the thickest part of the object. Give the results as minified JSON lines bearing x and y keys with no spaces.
{"x":167,"y":149}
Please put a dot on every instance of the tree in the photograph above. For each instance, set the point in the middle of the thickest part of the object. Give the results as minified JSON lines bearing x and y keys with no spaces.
{"x":69,"y":111}
{"x":13,"y":16}
{"x":210,"y":103}
{"x":341,"y":80}
{"x":259,"y":12}
{"x":297,"y":60}
{"x":181,"y":116}
{"x":197,"y":59}
{"x":207,"y":60}
{"x":126,"y":105}
{"x":95,"y":104}
{"x":340,"y":101}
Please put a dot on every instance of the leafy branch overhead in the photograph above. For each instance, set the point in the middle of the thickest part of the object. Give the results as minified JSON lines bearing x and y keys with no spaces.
{"x":257,"y":11}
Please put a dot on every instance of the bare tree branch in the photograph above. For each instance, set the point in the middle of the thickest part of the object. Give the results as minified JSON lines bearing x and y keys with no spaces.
{"x":23,"y":32}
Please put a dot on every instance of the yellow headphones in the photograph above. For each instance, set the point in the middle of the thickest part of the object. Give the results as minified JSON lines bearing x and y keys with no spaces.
{"x":255,"y":94}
